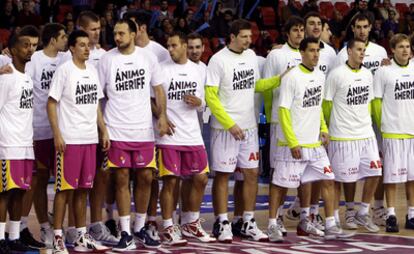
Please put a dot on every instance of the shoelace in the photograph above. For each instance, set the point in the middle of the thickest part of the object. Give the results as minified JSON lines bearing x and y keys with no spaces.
{"x":199,"y":227}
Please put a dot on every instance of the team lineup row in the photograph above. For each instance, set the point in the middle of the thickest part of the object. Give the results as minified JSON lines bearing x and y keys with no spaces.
{"x":139,"y":95}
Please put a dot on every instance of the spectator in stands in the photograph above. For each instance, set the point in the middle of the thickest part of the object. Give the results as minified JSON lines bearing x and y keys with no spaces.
{"x":164,"y":13}
{"x":360,"y":6}
{"x":70,"y":26}
{"x":326,"y":32}
{"x":386,"y":8}
{"x":308,"y":6}
{"x":79,"y":6}
{"x":8,"y":15}
{"x":182,"y":26}
{"x":289,"y":10}
{"x":109,"y":29}
{"x":27,"y":16}
{"x":377,"y":33}
{"x":391,"y":24}
{"x":223,"y":25}
{"x":335,"y":24}
{"x":146,"y":6}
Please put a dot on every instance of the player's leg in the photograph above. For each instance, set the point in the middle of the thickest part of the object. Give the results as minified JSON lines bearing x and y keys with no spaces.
{"x":316,"y":218}
{"x":110,"y":191}
{"x":4,"y":248}
{"x":409,"y":223}
{"x":237,"y":222}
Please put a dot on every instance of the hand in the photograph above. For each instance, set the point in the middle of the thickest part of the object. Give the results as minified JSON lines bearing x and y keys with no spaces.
{"x":236,"y":132}
{"x":105,"y":142}
{"x":6,"y":52}
{"x":296,"y":154}
{"x":6,"y":69}
{"x":60,"y":145}
{"x":192,"y":100}
{"x":325,"y":138}
{"x":385,"y":62}
{"x":163,"y":126}
{"x":171,"y":128}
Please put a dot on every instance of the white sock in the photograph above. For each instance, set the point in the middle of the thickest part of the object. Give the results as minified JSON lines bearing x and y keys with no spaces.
{"x":45,"y":225}
{"x":58,"y":232}
{"x":304,"y":213}
{"x":125,"y":222}
{"x":222,"y":217}
{"x":109,"y":211}
{"x":363,"y":208}
{"x":152,"y":218}
{"x":410,"y":212}
{"x":378,"y":204}
{"x":349,"y":205}
{"x":139,"y":221}
{"x":167,"y":223}
{"x":175,"y":216}
{"x":281,"y":210}
{"x":336,"y":216}
{"x":272,"y":221}
{"x":390,"y":211}
{"x":184,"y":218}
{"x":2,"y":230}
{"x":81,"y":231}
{"x":248,"y":215}
{"x":193,"y":216}
{"x":236,"y":219}
{"x":14,"y":230}
{"x":314,"y":209}
{"x":23,"y":222}
{"x":94,"y":224}
{"x":329,"y":222}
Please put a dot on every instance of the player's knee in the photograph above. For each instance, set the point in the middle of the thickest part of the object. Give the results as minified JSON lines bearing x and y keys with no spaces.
{"x":250,"y":175}
{"x":169,"y":183}
{"x":200,"y":181}
{"x":145,"y":177}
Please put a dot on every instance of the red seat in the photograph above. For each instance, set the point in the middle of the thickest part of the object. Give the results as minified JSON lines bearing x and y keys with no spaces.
{"x":342,"y":7}
{"x":63,"y":9}
{"x":274,"y":34}
{"x":4,"y":37}
{"x":298,"y":4}
{"x":402,"y":8}
{"x":326,"y":9}
{"x":269,"y":16}
{"x":255,"y":32}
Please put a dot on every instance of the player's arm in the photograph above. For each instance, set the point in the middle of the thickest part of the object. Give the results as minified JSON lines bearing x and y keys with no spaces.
{"x":5,"y":69}
{"x":265,"y":84}
{"x":104,"y":136}
{"x":376,"y":111}
{"x":285,"y":121}
{"x":327,"y":109}
{"x":161,"y":104}
{"x":52,"y":115}
{"x":324,"y":130}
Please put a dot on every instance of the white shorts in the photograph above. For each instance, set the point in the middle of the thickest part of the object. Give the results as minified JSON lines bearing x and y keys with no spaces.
{"x":398,"y":160}
{"x":378,"y":136}
{"x":355,"y":159}
{"x":273,"y":145}
{"x":313,"y":166}
{"x":238,"y":175}
{"x":228,"y":153}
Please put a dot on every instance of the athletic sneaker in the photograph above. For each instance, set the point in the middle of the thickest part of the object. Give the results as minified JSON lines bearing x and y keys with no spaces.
{"x":143,"y":236}
{"x":85,"y":243}
{"x":251,"y":231}
{"x":379,"y":216}
{"x":350,"y":219}
{"x":113,"y":228}
{"x":391,"y":224}
{"x":101,"y":233}
{"x":317,"y":221}
{"x":293,"y":213}
{"x":46,"y":236}
{"x":222,"y":231}
{"x":153,"y":230}
{"x":274,"y":233}
{"x":236,"y":227}
{"x":195,"y":230}
{"x":171,"y":237}
{"x":59,"y":246}
{"x":4,"y":248}
{"x":126,"y":243}
{"x":366,"y":221}
{"x":71,"y":235}
{"x":27,"y":239}
{"x":281,"y":225}
{"x":18,"y":246}
{"x":306,"y":228}
{"x":409,"y":223}
{"x":336,"y":232}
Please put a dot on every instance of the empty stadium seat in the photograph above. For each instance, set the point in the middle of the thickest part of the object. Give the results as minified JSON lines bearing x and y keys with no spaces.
{"x":269,"y":16}
{"x":326,"y":9}
{"x":402,"y":8}
{"x":342,"y":7}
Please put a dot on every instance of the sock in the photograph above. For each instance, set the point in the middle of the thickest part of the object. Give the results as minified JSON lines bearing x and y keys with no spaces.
{"x":272,"y":221}
{"x":378,"y":204}
{"x":175,"y":216}
{"x":363,"y":208}
{"x":349,"y":205}
{"x":336,"y":216}
{"x":248,"y":215}
{"x":236,"y":219}
{"x":410,"y":212}
{"x":45,"y":225}
{"x":184,"y":218}
{"x":109,"y":211}
{"x":125,"y":222}
{"x":2,"y":230}
{"x":304,"y":213}
{"x":222,"y":217}
{"x":193,"y":216}
{"x":139,"y":221}
{"x":23,"y":223}
{"x":58,"y":232}
{"x":330,"y":222}
{"x":81,"y":231}
{"x":296,"y":203}
{"x":14,"y":230}
{"x":390,"y":211}
{"x":167,"y":223}
{"x":71,"y":229}
{"x":281,"y":210}
{"x":152,"y":218}
{"x":314,"y":209}
{"x":94,"y":224}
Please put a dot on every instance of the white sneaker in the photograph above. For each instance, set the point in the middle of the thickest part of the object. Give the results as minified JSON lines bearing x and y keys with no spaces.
{"x":59,"y":246}
{"x":251,"y":230}
{"x":274,"y":233}
{"x":281,"y":225}
{"x":307,"y":228}
{"x":366,"y":221}
{"x":171,"y":237}
{"x":71,"y":235}
{"x":195,"y":230}
{"x":350,"y":219}
{"x":293,"y":212}
{"x":222,"y":231}
{"x":336,"y":232}
{"x":317,"y":221}
{"x":47,"y":236}
{"x":85,"y":243}
{"x":101,"y":233}
{"x":379,"y":216}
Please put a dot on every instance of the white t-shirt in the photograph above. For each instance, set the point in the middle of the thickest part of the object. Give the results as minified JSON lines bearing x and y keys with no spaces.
{"x":374,"y":54}
{"x":202,"y":67}
{"x":5,"y":60}
{"x":235,"y":75}
{"x":301,"y":92}
{"x":278,"y":61}
{"x":327,"y":57}
{"x":258,"y":97}
{"x":159,"y":51}
{"x":395,"y":85}
{"x":16,"y":116}
{"x":77,"y":92}
{"x":41,"y":69}
{"x":182,"y":79}
{"x":95,"y":55}
{"x":351,"y":92}
{"x":126,"y":80}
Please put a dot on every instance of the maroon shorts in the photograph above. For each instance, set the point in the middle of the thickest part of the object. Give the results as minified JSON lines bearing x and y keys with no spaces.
{"x":182,"y":160}
{"x":16,"y":174}
{"x":131,"y":155}
{"x":44,"y":154}
{"x":76,"y":167}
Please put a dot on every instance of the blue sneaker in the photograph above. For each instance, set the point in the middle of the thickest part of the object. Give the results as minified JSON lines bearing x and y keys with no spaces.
{"x":126,"y":243}
{"x":144,"y":237}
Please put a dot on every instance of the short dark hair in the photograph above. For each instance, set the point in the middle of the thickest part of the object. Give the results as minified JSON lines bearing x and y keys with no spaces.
{"x":50,"y":31}
{"x":360,"y":17}
{"x":305,"y":42}
{"x":324,"y":21}
{"x":351,"y":43}
{"x":180,"y":35}
{"x":30,"y":31}
{"x":74,"y":36}
{"x":140,"y":17}
{"x":131,"y":25}
{"x":293,"y":21}
{"x":312,"y":14}
{"x":194,"y":36}
{"x":13,"y":40}
{"x":87,"y":16}
{"x":238,"y":25}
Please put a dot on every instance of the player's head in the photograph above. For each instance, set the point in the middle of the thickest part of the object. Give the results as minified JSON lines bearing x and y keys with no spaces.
{"x":33,"y":34}
{"x":124,"y":33}
{"x":195,"y":48}
{"x":54,"y":35}
{"x":20,"y":48}
{"x":361,"y":27}
{"x":326,"y":31}
{"x":90,"y":23}
{"x":295,"y":30}
{"x":313,"y":24}
{"x":401,"y":48}
{"x":177,"y":46}
{"x":309,"y":50}
{"x":78,"y":43}
{"x":141,"y":19}
{"x":356,"y":51}
{"x":240,"y":34}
